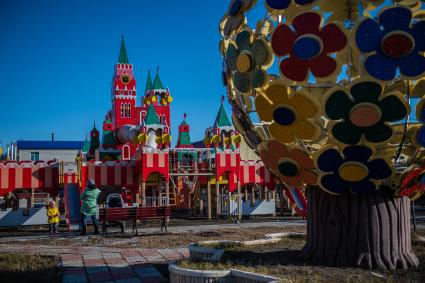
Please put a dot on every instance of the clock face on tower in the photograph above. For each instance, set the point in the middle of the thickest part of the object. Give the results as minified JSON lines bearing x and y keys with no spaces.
{"x":125,"y":79}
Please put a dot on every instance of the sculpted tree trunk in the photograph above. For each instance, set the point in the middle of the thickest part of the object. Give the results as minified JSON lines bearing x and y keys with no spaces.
{"x":368,"y":231}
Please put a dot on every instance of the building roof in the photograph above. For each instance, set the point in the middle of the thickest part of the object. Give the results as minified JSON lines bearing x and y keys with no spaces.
{"x":222,"y":120}
{"x":151,"y":117}
{"x":149,"y":85}
{"x":157,"y":84}
{"x":123,"y":58}
{"x":28,"y":144}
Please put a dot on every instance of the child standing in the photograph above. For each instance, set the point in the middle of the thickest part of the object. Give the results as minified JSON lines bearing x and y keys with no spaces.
{"x":53,"y":217}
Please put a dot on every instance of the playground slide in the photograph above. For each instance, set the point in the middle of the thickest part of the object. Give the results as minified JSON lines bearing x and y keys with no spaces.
{"x":297,"y":197}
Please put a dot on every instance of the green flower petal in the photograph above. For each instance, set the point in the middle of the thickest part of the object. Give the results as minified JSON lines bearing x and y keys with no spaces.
{"x":242,"y":82}
{"x":231,"y":56}
{"x":346,"y":133}
{"x":392,"y":109}
{"x":366,"y":92}
{"x":338,"y":105}
{"x":243,"y":40}
{"x":258,"y":78}
{"x":260,"y":52}
{"x":378,"y":133}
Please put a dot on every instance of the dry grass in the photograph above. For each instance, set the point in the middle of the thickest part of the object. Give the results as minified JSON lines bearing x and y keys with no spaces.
{"x":169,"y":240}
{"x":28,"y":268}
{"x":284,"y":260}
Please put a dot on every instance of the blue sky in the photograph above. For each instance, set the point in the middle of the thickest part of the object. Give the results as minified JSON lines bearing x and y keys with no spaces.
{"x":57,"y":61}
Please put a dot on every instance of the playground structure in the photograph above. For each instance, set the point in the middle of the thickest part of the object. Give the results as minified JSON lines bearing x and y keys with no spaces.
{"x":133,"y":156}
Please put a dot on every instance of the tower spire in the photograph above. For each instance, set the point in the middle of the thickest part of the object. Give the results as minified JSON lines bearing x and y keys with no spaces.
{"x":123,"y":58}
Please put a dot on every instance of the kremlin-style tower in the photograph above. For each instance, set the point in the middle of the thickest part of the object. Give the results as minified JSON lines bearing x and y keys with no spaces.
{"x":126,"y":124}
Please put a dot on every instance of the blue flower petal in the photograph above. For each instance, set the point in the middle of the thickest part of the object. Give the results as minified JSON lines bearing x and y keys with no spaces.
{"x":334,"y":184}
{"x":368,"y":36}
{"x":421,"y":136}
{"x":418,"y":33}
{"x":357,"y":153}
{"x":362,"y":187}
{"x":412,"y":65}
{"x":329,"y":160}
{"x":278,"y":4}
{"x":379,"y":169}
{"x":397,"y":18}
{"x":381,"y":67}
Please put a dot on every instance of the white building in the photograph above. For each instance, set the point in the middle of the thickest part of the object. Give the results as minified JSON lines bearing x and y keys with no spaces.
{"x":48,"y":150}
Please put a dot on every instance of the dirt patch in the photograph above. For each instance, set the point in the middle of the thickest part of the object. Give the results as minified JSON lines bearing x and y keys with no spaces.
{"x":285,"y":260}
{"x":169,"y":240}
{"x":28,"y":268}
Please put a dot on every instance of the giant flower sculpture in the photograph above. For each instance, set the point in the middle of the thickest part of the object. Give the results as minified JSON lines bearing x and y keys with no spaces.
{"x":364,"y":111}
{"x":307,"y":47}
{"x":354,"y":170}
{"x":292,"y":116}
{"x":392,"y":42}
{"x":246,"y":59}
{"x":292,"y":165}
{"x":235,"y":17}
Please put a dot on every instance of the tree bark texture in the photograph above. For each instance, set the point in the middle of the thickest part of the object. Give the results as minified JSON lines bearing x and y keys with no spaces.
{"x":369,"y":231}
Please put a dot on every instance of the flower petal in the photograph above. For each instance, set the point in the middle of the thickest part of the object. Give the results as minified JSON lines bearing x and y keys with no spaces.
{"x":329,"y":160}
{"x":366,"y":92}
{"x":412,"y":65}
{"x":305,"y":106}
{"x":258,"y":78}
{"x":378,"y":133}
{"x":363,"y":187}
{"x":333,"y":38}
{"x":308,"y":177}
{"x":397,"y":18}
{"x":346,"y":132}
{"x":392,"y":108}
{"x":357,"y":153}
{"x":302,"y":158}
{"x":278,"y":4}
{"x":284,"y":134}
{"x":322,"y":66}
{"x":379,"y":169}
{"x":418,"y":32}
{"x":368,"y":36}
{"x":306,"y":130}
{"x":231,"y":56}
{"x":266,"y":101}
{"x":242,"y":82}
{"x":264,"y":107}
{"x":277,"y":148}
{"x":307,"y":22}
{"x":381,"y":67}
{"x":243,"y":40}
{"x":261,"y":52}
{"x":332,"y":183}
{"x":338,"y":105}
{"x":294,"y":69}
{"x":282,"y":40}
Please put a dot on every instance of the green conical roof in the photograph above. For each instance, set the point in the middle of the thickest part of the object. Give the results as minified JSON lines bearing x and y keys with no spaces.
{"x":86,"y":145}
{"x":157,"y":84}
{"x":149,"y":85}
{"x":123,"y":58}
{"x":222,"y":119}
{"x":151,"y":117}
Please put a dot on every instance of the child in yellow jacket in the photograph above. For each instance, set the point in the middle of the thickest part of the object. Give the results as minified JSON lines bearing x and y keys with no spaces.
{"x":53,"y":218}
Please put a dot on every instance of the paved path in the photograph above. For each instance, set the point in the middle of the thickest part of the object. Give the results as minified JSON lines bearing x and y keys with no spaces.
{"x":82,"y":264}
{"x":100,"y":264}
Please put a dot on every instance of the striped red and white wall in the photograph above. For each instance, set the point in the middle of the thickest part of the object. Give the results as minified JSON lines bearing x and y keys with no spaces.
{"x":108,"y":173}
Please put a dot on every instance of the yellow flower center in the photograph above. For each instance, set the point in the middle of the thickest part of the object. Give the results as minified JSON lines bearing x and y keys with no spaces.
{"x":353,"y":171}
{"x":244,"y":62}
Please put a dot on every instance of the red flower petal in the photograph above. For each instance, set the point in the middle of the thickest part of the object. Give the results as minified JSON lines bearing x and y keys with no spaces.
{"x":282,"y":40}
{"x":308,"y":22}
{"x":333,"y":38}
{"x":322,"y":66}
{"x":294,"y":69}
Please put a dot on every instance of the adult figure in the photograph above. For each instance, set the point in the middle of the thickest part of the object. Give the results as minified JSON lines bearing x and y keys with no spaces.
{"x":89,"y":199}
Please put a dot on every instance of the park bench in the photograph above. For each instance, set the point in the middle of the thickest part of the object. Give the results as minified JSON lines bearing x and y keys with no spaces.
{"x":121,"y":214}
